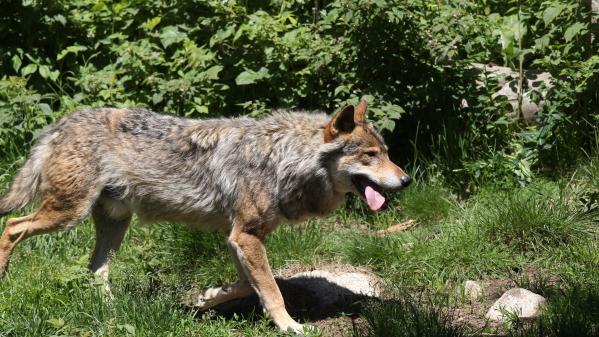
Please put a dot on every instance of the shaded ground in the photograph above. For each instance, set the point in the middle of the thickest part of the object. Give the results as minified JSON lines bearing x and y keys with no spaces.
{"x":312,"y":300}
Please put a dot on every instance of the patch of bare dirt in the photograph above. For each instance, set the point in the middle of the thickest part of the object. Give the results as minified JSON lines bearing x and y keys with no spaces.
{"x":472,"y":313}
{"x":335,"y":268}
{"x":337,"y":326}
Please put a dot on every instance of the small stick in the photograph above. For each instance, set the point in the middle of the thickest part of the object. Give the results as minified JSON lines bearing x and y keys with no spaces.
{"x":396,"y":228}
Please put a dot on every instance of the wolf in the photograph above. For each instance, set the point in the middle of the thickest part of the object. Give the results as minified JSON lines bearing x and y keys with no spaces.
{"x":241,"y":175}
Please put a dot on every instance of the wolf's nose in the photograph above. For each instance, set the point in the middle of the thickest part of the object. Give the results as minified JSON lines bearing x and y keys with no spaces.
{"x":405,"y":181}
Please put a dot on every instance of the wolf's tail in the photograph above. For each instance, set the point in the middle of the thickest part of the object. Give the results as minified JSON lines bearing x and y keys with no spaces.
{"x":26,"y":184}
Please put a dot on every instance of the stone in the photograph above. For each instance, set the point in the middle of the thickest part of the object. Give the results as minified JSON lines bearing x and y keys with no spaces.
{"x":534,"y":82}
{"x":521,"y":302}
{"x":332,"y":287}
{"x":472,"y":290}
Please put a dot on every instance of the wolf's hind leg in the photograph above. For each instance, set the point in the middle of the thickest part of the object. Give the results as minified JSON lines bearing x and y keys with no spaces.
{"x":53,"y":215}
{"x":111,"y":219}
{"x":214,"y":296}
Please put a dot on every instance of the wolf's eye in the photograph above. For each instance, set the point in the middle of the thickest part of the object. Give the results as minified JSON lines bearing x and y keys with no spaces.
{"x":371,"y":153}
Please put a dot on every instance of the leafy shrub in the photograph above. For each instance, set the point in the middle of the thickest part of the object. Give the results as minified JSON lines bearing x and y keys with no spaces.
{"x":411,"y":59}
{"x":23,"y":112}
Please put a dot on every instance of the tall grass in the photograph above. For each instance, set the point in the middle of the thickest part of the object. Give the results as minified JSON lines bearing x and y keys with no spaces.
{"x":573,"y":313}
{"x":528,"y":219}
{"x":409,"y":316}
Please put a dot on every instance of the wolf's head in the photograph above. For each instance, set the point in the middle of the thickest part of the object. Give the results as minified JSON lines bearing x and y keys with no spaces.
{"x":363,"y":167}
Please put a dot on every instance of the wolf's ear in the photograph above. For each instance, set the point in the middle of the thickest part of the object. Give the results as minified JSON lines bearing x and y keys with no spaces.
{"x":360,"y":113}
{"x":342,"y":122}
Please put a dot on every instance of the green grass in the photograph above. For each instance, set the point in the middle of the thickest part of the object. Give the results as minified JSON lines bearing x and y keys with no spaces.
{"x":572,"y":313}
{"x":496,"y":234}
{"x":409,"y":316}
{"x":530,"y":219}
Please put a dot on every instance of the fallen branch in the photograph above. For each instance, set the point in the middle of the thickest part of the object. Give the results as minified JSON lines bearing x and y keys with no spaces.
{"x":396,"y":228}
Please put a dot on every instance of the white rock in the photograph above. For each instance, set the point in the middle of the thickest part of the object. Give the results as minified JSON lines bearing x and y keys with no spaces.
{"x":472,"y":290}
{"x":521,"y":302}
{"x":332,"y":287}
{"x":534,"y":81}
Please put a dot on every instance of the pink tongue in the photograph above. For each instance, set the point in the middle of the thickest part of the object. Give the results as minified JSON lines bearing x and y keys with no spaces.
{"x":374,"y":199}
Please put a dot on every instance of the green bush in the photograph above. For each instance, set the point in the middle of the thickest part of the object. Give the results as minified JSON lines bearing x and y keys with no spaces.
{"x":411,"y":59}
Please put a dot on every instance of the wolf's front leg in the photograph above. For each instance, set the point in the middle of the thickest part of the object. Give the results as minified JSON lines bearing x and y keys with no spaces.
{"x":252,"y":255}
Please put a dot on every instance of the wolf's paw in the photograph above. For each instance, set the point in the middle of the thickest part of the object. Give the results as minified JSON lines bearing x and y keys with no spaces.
{"x":295,"y":328}
{"x":202,"y":303}
{"x":206,"y":300}
{"x":298,"y":329}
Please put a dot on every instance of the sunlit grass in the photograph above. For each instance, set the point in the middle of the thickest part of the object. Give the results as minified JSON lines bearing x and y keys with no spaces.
{"x":48,"y":290}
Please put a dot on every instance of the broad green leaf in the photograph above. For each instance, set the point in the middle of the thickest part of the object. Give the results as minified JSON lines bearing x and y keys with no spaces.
{"x":202,"y":109}
{"x":99,"y":6}
{"x":517,"y":26}
{"x":54,"y":75}
{"x":170,"y":35}
{"x":542,"y":42}
{"x":152,"y":23}
{"x":221,"y":35}
{"x":70,"y":49}
{"x":387,"y":124}
{"x":212,"y":72}
{"x":292,"y":20}
{"x":342,"y":89}
{"x":250,"y":76}
{"x":60,"y":18}
{"x":44,"y":71}
{"x":16,"y":62}
{"x":394,"y":111}
{"x":551,"y":13}
{"x":573,"y":30}
{"x":238,"y":34}
{"x":45,"y":109}
{"x":117,"y":8}
{"x":157,"y":98}
{"x":29,"y":69}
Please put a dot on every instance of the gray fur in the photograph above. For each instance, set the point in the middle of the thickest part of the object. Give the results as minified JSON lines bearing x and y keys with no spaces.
{"x":194,"y":169}
{"x":242,"y":175}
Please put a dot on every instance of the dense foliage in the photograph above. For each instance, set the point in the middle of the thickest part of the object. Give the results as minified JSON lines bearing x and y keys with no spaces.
{"x":411,"y":58}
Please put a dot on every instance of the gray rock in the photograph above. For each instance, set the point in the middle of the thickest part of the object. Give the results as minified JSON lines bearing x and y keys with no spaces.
{"x":521,"y":302}
{"x":534,"y":82}
{"x":331,"y":287}
{"x":472,"y":290}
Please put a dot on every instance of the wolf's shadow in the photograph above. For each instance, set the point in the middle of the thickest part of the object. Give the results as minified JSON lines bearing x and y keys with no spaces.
{"x":306,"y":299}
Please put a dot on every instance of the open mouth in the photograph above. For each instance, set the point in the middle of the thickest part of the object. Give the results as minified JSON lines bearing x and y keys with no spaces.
{"x":369,"y":191}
